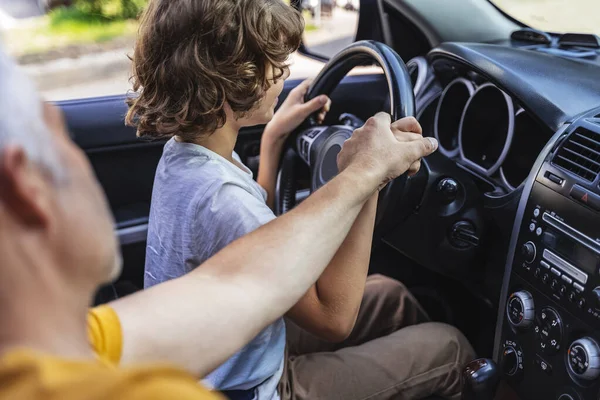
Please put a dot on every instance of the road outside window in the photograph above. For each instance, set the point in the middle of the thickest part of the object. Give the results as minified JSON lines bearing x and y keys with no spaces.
{"x":78,"y":48}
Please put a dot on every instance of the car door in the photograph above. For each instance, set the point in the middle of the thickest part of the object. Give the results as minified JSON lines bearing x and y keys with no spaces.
{"x":125,"y":165}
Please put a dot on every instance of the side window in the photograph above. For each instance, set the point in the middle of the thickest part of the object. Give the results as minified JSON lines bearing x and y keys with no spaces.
{"x":72,"y":48}
{"x":78,"y":48}
{"x":330,"y":25}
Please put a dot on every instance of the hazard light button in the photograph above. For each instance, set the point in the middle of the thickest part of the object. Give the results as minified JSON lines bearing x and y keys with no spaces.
{"x":586,"y":197}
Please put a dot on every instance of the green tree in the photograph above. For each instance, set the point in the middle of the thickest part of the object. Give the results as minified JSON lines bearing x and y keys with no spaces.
{"x":111,"y":9}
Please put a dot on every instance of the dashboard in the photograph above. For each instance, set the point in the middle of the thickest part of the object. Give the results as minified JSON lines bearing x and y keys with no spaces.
{"x":519,"y":134}
{"x":484,"y":129}
{"x":525,"y":128}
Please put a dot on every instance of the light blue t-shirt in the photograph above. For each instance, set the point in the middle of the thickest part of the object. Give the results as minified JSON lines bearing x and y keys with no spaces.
{"x":200,"y":203}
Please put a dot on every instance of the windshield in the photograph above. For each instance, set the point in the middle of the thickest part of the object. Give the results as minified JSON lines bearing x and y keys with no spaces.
{"x":559,"y":16}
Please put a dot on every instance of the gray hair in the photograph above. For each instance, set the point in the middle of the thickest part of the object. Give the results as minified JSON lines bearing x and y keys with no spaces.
{"x":22,"y":118}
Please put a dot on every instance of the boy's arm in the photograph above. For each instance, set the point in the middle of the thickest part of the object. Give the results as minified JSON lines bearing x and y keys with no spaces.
{"x":330,"y":307}
{"x":201,"y":319}
{"x":289,"y":116}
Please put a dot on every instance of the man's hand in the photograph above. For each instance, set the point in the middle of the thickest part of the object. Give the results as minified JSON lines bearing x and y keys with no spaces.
{"x":293,"y":111}
{"x":405,"y":129}
{"x":384,"y":151}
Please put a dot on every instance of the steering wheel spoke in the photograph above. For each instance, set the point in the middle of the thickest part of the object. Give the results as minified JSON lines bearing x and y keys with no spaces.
{"x":305,"y":141}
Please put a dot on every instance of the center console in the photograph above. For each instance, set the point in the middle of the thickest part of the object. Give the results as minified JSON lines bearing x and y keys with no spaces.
{"x":548,"y":334}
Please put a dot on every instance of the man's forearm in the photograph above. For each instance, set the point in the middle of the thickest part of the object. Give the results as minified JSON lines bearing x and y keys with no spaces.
{"x":199,"y":320}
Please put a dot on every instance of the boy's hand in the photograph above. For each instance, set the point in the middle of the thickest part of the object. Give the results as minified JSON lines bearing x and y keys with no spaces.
{"x":294,"y":111}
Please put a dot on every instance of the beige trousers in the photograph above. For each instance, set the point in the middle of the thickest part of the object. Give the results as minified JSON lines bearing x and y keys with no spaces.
{"x":392,"y":353}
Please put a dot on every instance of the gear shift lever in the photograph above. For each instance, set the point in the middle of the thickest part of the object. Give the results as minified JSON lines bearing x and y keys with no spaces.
{"x":480,"y":380}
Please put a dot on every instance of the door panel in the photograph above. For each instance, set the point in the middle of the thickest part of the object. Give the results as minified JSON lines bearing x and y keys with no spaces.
{"x":125,"y":165}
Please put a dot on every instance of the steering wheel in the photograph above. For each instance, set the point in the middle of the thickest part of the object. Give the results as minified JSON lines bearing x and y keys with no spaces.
{"x":319,"y":145}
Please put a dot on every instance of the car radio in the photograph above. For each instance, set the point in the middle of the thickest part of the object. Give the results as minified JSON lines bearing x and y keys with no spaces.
{"x":548,"y":331}
{"x":560,"y":252}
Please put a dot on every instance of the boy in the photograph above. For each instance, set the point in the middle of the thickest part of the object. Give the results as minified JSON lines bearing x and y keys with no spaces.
{"x":204,"y":70}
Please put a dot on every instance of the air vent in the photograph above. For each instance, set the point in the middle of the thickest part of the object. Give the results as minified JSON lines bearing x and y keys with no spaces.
{"x":580,"y":154}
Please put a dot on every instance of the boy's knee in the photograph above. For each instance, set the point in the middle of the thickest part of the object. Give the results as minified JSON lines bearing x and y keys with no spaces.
{"x":450,"y":343}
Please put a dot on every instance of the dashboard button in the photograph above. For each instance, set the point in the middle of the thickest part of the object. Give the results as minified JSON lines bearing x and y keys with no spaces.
{"x":581,"y":303}
{"x":555,"y":272}
{"x":563,"y":290}
{"x":572,"y":297}
{"x":543,"y":365}
{"x":556,"y":179}
{"x":554,"y":284}
{"x":578,"y":287}
{"x":545,"y":278}
{"x":538,"y":231}
{"x":537,"y":272}
{"x":531,"y":227}
{"x":536,"y":212}
{"x":586,"y":197}
{"x":567,"y":279}
{"x":545,"y":264}
{"x":549,"y":331}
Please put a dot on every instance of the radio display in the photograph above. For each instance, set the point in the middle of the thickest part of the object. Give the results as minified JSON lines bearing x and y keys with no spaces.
{"x":570,"y":249}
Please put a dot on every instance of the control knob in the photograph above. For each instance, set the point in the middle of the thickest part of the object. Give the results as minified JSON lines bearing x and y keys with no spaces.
{"x":584,"y":358}
{"x":520,"y":309}
{"x":528,"y":251}
{"x":510,"y":361}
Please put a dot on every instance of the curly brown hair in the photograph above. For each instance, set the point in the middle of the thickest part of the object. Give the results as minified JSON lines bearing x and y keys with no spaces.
{"x":194,"y":56}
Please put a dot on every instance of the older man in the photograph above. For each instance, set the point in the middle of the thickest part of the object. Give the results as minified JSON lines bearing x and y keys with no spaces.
{"x":57,"y":246}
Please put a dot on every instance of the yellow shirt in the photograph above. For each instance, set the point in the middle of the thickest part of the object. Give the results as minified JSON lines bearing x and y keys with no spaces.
{"x":30,"y":375}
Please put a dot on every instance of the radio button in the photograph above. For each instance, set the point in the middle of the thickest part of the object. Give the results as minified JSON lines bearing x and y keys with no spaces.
{"x":537,"y":272}
{"x":538,"y":231}
{"x":581,"y":303}
{"x":567,"y":279}
{"x":563,"y":290}
{"x":565,"y":266}
{"x":536,"y":212}
{"x":545,"y":278}
{"x":586,"y":197}
{"x":572,"y":297}
{"x":578,"y":287}
{"x":545,"y":264}
{"x":531,"y":227}
{"x":555,"y":272}
{"x":554,"y":284}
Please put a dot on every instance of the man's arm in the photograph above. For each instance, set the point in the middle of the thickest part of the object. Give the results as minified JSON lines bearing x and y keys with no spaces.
{"x":330,"y":307}
{"x":201,"y":319}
